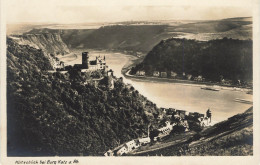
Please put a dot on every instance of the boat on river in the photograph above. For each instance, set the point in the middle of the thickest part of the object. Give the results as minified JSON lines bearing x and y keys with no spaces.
{"x":243,"y":101}
{"x":210,"y":88}
{"x":250,"y":92}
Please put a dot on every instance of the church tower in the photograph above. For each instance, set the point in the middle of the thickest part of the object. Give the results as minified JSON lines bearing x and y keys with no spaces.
{"x":85,"y":61}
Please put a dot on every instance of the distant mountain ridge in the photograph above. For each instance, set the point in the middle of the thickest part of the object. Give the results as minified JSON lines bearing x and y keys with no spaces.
{"x":143,"y":37}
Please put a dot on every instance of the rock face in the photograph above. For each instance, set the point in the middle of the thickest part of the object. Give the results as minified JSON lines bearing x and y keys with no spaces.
{"x":50,"y":43}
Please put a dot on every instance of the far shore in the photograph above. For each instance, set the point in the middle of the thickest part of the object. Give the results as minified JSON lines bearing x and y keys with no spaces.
{"x":188,"y":82}
{"x":134,"y":61}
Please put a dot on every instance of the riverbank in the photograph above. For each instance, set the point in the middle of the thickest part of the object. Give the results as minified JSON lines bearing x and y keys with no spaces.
{"x":68,"y":58}
{"x":134,"y":61}
{"x":184,"y":82}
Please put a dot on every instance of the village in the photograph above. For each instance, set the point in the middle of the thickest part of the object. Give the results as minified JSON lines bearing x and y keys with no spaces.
{"x":178,"y":118}
{"x":173,"y":75}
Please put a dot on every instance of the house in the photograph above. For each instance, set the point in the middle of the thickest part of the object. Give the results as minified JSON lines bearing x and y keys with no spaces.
{"x":204,"y":121}
{"x":181,"y":113}
{"x":199,"y":78}
{"x":164,"y":130}
{"x":163,"y":74}
{"x":185,"y":124}
{"x":98,"y":64}
{"x":167,"y":129}
{"x":173,"y":74}
{"x":198,"y":115}
{"x":156,"y":73}
{"x":167,"y":123}
{"x":189,"y":76}
{"x":132,"y":145}
{"x":144,"y":140}
{"x":109,"y":153}
{"x":191,"y":114}
{"x":140,"y":73}
{"x":121,"y":151}
{"x":227,"y":82}
{"x":127,"y":147}
{"x":169,"y":116}
{"x":172,"y":111}
{"x":176,"y":117}
{"x":164,"y":110}
{"x":160,"y":116}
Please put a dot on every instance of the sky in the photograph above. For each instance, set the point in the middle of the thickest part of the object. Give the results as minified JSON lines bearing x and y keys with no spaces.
{"x":80,"y":11}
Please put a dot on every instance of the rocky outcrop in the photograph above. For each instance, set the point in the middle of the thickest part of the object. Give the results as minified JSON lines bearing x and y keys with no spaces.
{"x":50,"y":43}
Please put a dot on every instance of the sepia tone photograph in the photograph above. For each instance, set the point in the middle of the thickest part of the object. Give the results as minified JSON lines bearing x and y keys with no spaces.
{"x":139,"y":79}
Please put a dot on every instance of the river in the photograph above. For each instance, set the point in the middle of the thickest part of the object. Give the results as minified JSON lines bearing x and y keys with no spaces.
{"x":189,"y":97}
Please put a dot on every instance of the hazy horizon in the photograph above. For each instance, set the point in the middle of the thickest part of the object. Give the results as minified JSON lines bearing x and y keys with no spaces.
{"x":41,"y":23}
{"x":68,"y":12}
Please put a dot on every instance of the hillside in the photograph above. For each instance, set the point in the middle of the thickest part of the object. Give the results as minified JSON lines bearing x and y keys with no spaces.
{"x":233,"y":137}
{"x":60,"y":114}
{"x":214,"y":60}
{"x":215,"y":26}
{"x":50,"y":43}
{"x":132,"y":36}
{"x":117,"y":37}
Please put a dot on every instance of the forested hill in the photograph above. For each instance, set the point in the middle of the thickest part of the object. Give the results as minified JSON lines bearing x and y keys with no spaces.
{"x":57,"y":114}
{"x":215,"y":59}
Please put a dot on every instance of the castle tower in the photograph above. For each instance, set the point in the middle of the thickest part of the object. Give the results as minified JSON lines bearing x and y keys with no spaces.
{"x":208,"y":114}
{"x":110,"y":80}
{"x":85,"y":60}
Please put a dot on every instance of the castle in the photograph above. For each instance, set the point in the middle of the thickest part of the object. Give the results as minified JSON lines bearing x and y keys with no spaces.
{"x":97,"y":64}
